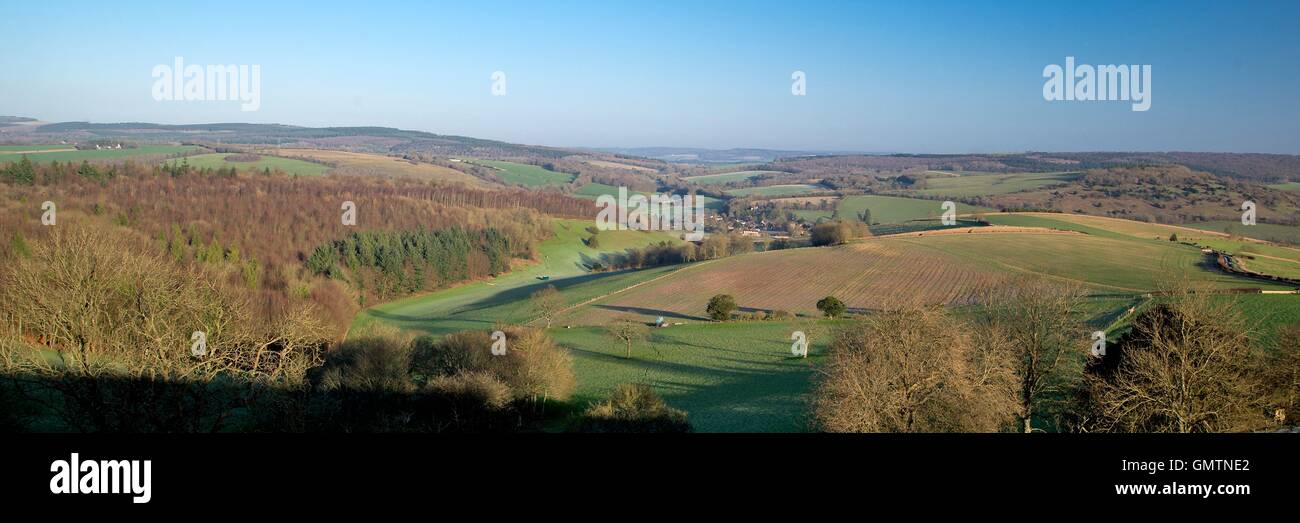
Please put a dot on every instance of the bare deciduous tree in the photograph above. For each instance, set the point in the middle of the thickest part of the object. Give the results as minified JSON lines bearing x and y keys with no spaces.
{"x":1281,"y":375}
{"x":547,"y":303}
{"x":1042,"y":321}
{"x":1184,"y":367}
{"x":628,"y":331}
{"x":916,"y":371}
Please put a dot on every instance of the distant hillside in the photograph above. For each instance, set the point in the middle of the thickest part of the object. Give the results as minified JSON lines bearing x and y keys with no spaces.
{"x":1261,"y":168}
{"x":366,"y":139}
{"x":1165,"y":193}
{"x":695,"y":155}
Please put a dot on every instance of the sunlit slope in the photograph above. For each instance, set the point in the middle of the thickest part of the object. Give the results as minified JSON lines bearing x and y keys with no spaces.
{"x":479,"y":305}
{"x":1259,"y":256}
{"x":907,"y":270}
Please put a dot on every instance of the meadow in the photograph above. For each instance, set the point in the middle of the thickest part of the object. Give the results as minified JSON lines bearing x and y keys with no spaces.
{"x":525,"y":174}
{"x":1266,"y":258}
{"x":713,"y":179}
{"x":986,"y":184}
{"x":1261,"y":231}
{"x":777,"y":190}
{"x":1289,"y":186}
{"x":595,"y":190}
{"x":287,"y":165}
{"x":563,"y":262}
{"x":729,"y":377}
{"x":35,"y":148}
{"x":893,"y":209}
{"x":362,"y":164}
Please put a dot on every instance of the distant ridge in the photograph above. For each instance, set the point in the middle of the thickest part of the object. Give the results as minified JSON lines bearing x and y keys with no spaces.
{"x":699,"y":155}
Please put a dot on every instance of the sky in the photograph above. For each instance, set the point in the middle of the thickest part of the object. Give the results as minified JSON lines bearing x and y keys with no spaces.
{"x":915,"y":76}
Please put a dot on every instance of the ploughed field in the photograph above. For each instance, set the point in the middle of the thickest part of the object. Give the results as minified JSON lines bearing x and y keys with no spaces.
{"x":948,"y":267}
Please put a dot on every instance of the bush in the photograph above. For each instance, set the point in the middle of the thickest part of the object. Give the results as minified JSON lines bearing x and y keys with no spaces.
{"x":374,"y":363}
{"x":473,"y":388}
{"x":780,"y":314}
{"x":837,"y":232}
{"x":831,"y":306}
{"x":533,"y":366}
{"x":633,"y":408}
{"x":364,"y":386}
{"x":721,"y":306}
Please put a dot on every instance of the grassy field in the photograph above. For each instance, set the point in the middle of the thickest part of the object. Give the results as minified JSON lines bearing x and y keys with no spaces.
{"x":712,"y":179}
{"x":35,"y":148}
{"x":892,"y":209}
{"x":617,"y":165}
{"x":100,"y":154}
{"x":777,"y":190}
{"x":1260,"y":231}
{"x":596,"y":190}
{"x":526,"y":175}
{"x":729,"y":377}
{"x":287,"y":165}
{"x":480,"y":304}
{"x":361,"y":164}
{"x":1257,"y":256}
{"x":1289,"y":186}
{"x":1266,"y":314}
{"x":986,"y":184}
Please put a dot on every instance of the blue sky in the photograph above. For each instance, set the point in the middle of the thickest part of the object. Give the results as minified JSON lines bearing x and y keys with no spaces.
{"x":959,"y":76}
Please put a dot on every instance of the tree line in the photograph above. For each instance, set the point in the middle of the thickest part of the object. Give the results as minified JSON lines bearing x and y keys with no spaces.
{"x":409,"y":261}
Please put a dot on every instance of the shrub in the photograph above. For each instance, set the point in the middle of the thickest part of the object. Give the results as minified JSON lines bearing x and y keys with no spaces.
{"x":533,"y":366}
{"x":836,"y":232}
{"x":831,"y":306}
{"x":373,"y":363}
{"x":473,"y":388}
{"x":721,"y":306}
{"x":633,"y":408}
{"x":780,"y":314}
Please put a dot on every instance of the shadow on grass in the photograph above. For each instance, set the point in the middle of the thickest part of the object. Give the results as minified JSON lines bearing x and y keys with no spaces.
{"x":650,"y":312}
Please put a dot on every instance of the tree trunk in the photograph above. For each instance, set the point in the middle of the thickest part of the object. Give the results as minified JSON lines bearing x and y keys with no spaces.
{"x":1028,"y":426}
